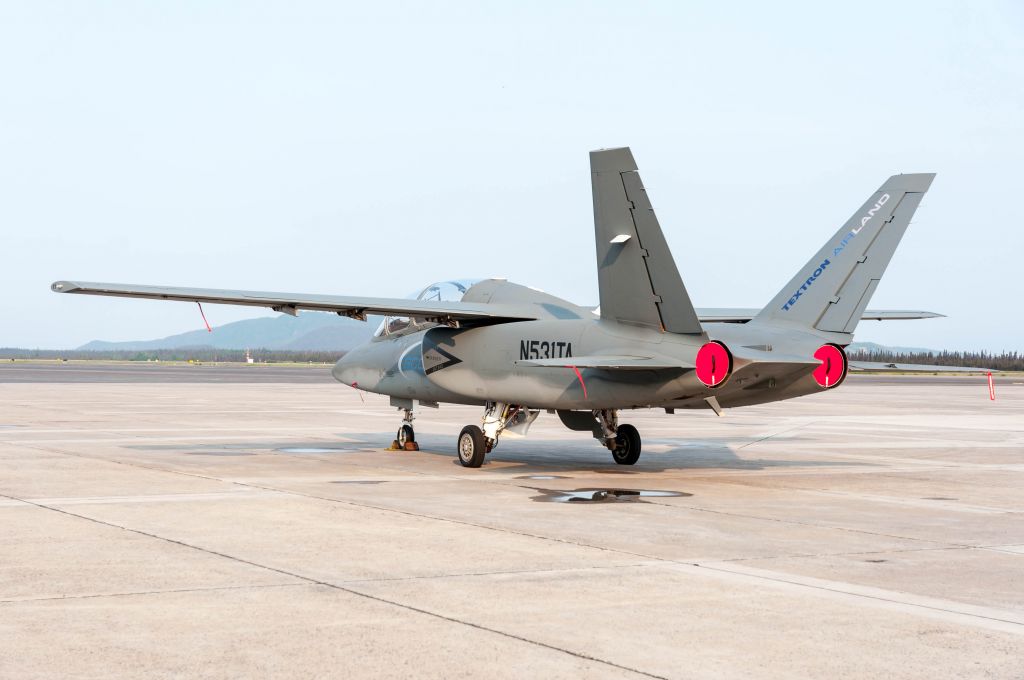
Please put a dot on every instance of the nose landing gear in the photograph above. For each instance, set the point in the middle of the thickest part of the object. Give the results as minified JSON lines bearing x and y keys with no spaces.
{"x":405,"y":438}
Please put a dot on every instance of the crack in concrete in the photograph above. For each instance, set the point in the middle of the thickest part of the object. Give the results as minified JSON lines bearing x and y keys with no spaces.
{"x":776,"y":434}
{"x":503,"y":572}
{"x":131,"y":593}
{"x":351,"y":591}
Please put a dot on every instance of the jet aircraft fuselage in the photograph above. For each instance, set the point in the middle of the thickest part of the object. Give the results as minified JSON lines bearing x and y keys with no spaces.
{"x":494,"y":363}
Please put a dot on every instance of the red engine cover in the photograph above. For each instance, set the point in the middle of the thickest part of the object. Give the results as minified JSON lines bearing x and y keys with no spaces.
{"x":833,"y":366}
{"x":714,"y":364}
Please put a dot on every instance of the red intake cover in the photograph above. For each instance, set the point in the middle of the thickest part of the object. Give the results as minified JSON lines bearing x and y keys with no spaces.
{"x":833,"y":366}
{"x":714,"y":364}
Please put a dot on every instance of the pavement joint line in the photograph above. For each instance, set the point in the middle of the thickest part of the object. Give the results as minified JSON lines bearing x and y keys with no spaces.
{"x":776,"y":434}
{"x":351,"y":591}
{"x":449,"y":520}
{"x":777,"y":519}
{"x":234,"y":494}
{"x":654,"y":558}
{"x":831,"y":492}
{"x":923,"y":502}
{"x":136,"y":440}
{"x":505,"y":572}
{"x":133,"y":430}
{"x":913,"y":502}
{"x":909,"y":477}
{"x":780,"y":520}
{"x":170,"y":591}
{"x":855,"y":553}
{"x":852,"y":590}
{"x":919,"y":462}
{"x":1003,"y":549}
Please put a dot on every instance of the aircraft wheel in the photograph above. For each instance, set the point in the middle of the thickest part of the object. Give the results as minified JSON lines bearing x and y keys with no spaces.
{"x":405,"y":434}
{"x":472,"y":447}
{"x":627,"y":445}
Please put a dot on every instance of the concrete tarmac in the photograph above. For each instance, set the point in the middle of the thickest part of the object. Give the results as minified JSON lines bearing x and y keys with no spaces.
{"x":214,"y":528}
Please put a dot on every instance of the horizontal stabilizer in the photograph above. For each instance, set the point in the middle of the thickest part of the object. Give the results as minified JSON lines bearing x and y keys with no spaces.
{"x":619,"y":363}
{"x":882,"y":367}
{"x":897,"y":315}
{"x":745,"y":314}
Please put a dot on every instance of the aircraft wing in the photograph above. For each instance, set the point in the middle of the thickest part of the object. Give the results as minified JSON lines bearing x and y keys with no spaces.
{"x":742,"y":315}
{"x":290,"y":303}
{"x":607,"y":361}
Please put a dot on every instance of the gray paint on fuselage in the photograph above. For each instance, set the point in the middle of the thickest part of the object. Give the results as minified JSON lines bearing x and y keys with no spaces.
{"x":487,"y":364}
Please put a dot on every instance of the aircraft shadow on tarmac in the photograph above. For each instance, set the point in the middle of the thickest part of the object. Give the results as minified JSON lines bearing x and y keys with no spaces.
{"x":598,"y":460}
{"x":533,"y":455}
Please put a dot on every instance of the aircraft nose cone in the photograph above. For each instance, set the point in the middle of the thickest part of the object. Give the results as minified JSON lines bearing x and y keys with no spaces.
{"x":343,"y":372}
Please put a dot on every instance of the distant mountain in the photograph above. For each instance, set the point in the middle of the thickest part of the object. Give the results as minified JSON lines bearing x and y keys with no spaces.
{"x":307,"y":331}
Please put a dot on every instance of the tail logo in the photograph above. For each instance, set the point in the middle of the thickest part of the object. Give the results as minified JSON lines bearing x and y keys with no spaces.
{"x":807,"y":284}
{"x":871,"y":213}
{"x":863,"y":222}
{"x":882,"y":200}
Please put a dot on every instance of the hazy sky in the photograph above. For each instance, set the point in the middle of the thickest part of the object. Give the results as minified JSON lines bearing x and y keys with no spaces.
{"x":371,"y":148}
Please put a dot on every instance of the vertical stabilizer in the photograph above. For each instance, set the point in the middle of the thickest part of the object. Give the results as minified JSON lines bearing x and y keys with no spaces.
{"x":832,"y":290}
{"x":638,"y":279}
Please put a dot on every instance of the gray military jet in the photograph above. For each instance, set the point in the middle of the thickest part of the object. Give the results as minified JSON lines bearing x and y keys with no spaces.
{"x":516,"y":351}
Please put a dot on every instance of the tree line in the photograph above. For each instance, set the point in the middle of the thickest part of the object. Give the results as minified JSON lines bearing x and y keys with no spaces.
{"x":1003,"y":361}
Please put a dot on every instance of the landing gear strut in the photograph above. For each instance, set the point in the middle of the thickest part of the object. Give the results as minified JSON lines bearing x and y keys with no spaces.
{"x":622,"y":440}
{"x":405,"y":439}
{"x":475,"y":442}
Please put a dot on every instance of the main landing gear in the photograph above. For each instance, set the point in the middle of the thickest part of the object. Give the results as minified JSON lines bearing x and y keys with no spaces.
{"x":475,"y":442}
{"x":405,"y":439}
{"x":473,"y":446}
{"x":622,"y":440}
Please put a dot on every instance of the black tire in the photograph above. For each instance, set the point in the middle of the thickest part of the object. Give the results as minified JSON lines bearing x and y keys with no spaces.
{"x":471,"y":447}
{"x":405,"y":434}
{"x":627,"y":445}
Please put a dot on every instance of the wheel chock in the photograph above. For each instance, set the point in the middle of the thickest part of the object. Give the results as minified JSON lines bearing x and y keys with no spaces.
{"x":394,"y":446}
{"x":412,"y":446}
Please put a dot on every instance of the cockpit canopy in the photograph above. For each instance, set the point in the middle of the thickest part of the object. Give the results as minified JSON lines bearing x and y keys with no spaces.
{"x":442,"y":291}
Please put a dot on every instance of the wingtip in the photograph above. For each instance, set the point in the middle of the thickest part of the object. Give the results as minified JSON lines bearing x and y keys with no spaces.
{"x":910,"y":182}
{"x":619,"y":159}
{"x":62,"y":286}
